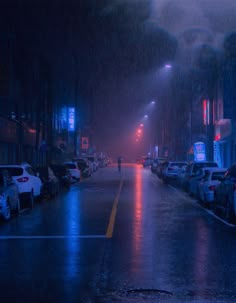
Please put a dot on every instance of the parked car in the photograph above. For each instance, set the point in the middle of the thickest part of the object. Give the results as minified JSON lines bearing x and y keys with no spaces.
{"x":84,"y":167}
{"x":50,"y":187}
{"x":180,"y":176}
{"x":101,"y":162}
{"x":171,"y":170}
{"x":191,"y":170}
{"x":94,"y":163}
{"x":9,"y":196}
{"x":159,"y":166}
{"x":194,"y":181}
{"x":74,"y":170}
{"x":89,"y":163}
{"x":225,"y":195}
{"x":63,"y":174}
{"x":28,"y":183}
{"x":146,"y":161}
{"x":208,"y":184}
{"x":154,"y":166}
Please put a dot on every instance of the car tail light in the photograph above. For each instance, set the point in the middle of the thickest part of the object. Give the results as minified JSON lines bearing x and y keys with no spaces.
{"x":212,"y":187}
{"x":23,"y":179}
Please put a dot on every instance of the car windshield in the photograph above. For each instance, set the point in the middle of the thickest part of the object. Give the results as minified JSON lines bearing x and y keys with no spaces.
{"x":217,"y":175}
{"x":177,"y":164}
{"x":70,"y":165}
{"x":197,"y":166}
{"x":13,"y":171}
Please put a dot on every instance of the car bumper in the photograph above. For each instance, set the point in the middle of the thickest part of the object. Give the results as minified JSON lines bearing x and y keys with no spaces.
{"x":209,"y":197}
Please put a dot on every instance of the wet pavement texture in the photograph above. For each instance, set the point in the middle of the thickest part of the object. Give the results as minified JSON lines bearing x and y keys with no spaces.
{"x":118,"y":237}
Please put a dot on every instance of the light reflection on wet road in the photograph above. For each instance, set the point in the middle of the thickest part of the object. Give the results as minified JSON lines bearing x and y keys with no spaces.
{"x":161,"y":241}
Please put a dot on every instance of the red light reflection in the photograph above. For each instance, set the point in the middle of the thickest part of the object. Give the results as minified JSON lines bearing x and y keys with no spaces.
{"x":138,"y":209}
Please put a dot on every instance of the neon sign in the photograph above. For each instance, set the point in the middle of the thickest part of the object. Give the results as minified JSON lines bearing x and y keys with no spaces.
{"x":199,"y":151}
{"x":71,"y":119}
{"x":206,"y":112}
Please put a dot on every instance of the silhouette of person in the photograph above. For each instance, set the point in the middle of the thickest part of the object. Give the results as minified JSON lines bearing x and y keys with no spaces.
{"x":119,"y":163}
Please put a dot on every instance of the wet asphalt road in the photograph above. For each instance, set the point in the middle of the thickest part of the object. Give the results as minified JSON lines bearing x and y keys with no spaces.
{"x":118,"y":237}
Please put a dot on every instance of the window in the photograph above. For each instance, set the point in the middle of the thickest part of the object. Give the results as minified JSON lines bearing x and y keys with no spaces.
{"x":30,"y":171}
{"x":217,"y":175}
{"x":13,"y":171}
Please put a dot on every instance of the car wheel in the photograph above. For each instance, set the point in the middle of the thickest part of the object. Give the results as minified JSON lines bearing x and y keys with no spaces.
{"x":31,"y":199}
{"x":229,"y":213}
{"x":17,"y":210}
{"x":7,"y":211}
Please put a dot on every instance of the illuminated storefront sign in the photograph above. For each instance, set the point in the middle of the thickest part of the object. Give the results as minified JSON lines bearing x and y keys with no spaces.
{"x":206,"y":112}
{"x":199,"y":151}
{"x":84,"y":142}
{"x":71,"y":119}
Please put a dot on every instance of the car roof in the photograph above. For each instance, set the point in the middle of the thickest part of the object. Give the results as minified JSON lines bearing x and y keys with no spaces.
{"x":204,"y":162}
{"x":13,"y":165}
{"x":184,"y":162}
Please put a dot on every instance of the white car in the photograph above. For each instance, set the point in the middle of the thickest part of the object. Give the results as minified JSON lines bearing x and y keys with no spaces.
{"x":208,"y":184}
{"x":73,"y":169}
{"x":194,"y":181}
{"x":93,"y":163}
{"x":28,"y":183}
{"x":172,"y":169}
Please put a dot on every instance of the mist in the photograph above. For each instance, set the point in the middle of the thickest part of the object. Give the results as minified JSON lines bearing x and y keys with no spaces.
{"x":194,"y":23}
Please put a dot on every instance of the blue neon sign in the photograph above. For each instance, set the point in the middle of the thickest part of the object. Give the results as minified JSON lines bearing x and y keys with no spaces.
{"x":199,"y":151}
{"x":71,"y":119}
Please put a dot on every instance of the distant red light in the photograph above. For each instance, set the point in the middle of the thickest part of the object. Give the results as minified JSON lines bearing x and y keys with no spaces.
{"x":23,"y":179}
{"x":217,"y":137}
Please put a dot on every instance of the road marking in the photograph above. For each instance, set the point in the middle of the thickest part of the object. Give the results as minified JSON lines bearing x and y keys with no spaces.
{"x":41,"y":237}
{"x":112,"y":219}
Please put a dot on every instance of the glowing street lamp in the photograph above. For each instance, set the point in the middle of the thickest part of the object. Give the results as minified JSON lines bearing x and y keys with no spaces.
{"x":145,"y":116}
{"x":139,"y":131}
{"x":168,"y":66}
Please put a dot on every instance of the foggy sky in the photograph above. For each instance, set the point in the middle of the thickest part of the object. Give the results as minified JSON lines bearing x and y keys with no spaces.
{"x":192,"y":22}
{"x":119,"y":45}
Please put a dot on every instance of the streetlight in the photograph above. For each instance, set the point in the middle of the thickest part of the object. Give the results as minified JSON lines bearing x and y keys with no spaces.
{"x":145,"y":116}
{"x":168,"y":66}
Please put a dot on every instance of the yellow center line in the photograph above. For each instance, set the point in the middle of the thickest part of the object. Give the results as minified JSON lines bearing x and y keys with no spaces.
{"x":112,"y":219}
